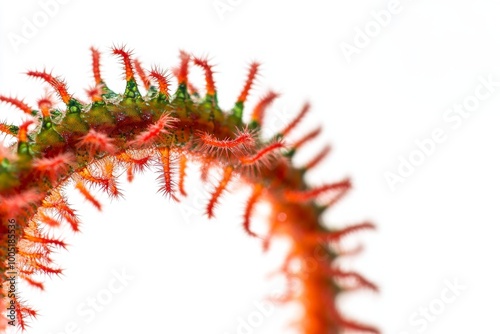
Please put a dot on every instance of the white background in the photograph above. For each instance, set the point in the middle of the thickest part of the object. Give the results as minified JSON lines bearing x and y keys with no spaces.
{"x":192,"y":275}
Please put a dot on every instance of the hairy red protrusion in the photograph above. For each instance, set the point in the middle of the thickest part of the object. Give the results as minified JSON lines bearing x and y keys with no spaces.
{"x":19,"y":104}
{"x":56,"y":83}
{"x":256,"y":193}
{"x":22,"y":134}
{"x":241,"y":143}
{"x":45,"y":103}
{"x":308,"y":137}
{"x":46,"y":219}
{"x":161,"y":78}
{"x":300,"y":196}
{"x":53,"y":167}
{"x":96,"y":66}
{"x":103,"y":175}
{"x":107,"y":169}
{"x":7,"y":130}
{"x":337,"y":235}
{"x":142,"y":74}
{"x":162,"y":126}
{"x":95,"y":93}
{"x":32,"y":282}
{"x":16,"y":203}
{"x":168,"y":183}
{"x":182,"y":73}
{"x":262,"y":105}
{"x":42,"y":240}
{"x":135,"y":161}
{"x":45,"y":268}
{"x":127,"y":62}
{"x":95,"y":141}
{"x":252,"y":73}
{"x":359,"y":280}
{"x":23,"y":312}
{"x":318,"y":158}
{"x":337,"y":197}
{"x":228,"y":172}
{"x":182,"y":173}
{"x":305,"y":109}
{"x":80,"y":186}
{"x":262,"y":156}
{"x":57,"y":202}
{"x":210,"y":85}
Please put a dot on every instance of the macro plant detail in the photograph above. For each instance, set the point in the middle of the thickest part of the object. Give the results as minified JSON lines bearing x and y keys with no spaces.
{"x":89,"y":144}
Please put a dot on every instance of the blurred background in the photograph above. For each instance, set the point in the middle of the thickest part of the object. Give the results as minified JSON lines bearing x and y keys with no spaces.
{"x":408,"y":94}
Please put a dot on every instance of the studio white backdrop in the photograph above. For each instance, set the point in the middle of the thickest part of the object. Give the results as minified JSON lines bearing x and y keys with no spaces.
{"x":407,"y":92}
